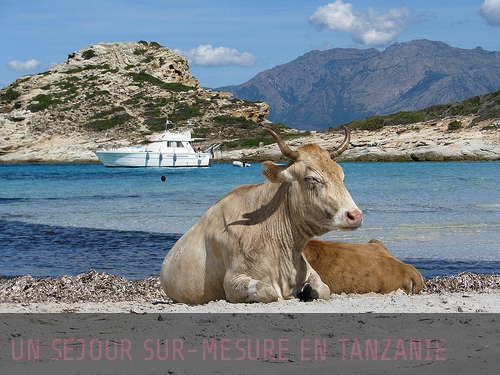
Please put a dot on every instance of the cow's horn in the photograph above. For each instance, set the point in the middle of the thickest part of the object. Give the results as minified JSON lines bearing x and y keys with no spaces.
{"x":285,"y":150}
{"x":345,"y":143}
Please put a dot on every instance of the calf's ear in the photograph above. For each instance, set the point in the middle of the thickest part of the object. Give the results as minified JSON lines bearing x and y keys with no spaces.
{"x":276,"y":173}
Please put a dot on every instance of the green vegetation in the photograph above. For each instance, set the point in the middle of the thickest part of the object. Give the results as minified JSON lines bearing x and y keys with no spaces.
{"x":264,"y":137}
{"x":10,"y":95}
{"x":91,"y":95}
{"x":73,"y":71}
{"x":369,"y":123}
{"x":378,"y":122}
{"x":148,"y":58}
{"x":88,"y":54}
{"x":142,"y":77}
{"x":108,"y":119}
{"x":108,"y":112}
{"x":104,"y":67}
{"x":106,"y":124}
{"x":249,"y":142}
{"x":455,"y":125}
{"x":483,"y":107}
{"x":406,"y":117}
{"x":185,"y":112}
{"x":201,"y":132}
{"x":99,"y":103}
{"x":177,"y":87}
{"x":239,"y":122}
{"x":41,"y":102}
{"x":155,"y":124}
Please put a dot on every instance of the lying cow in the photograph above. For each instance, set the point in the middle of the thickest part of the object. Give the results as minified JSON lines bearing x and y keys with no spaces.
{"x":248,"y":246}
{"x":348,"y":267}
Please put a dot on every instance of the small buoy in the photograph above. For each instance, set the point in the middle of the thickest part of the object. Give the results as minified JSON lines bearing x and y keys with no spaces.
{"x":163,"y":178}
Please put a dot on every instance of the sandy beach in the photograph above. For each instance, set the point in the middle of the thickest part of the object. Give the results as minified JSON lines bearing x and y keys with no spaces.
{"x":395,"y":302}
{"x":95,"y":292}
{"x":97,"y":323}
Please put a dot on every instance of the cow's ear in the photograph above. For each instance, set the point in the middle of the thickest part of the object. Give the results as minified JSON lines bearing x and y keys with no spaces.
{"x":276,"y":172}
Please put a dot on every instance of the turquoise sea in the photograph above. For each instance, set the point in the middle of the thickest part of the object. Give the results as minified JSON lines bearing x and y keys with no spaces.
{"x":62,"y":219}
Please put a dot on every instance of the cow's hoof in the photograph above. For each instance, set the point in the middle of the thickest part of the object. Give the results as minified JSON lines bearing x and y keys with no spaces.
{"x":306,"y":295}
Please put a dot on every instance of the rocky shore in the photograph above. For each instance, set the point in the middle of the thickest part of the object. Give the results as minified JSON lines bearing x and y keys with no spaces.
{"x":426,"y":141}
{"x":416,"y":142}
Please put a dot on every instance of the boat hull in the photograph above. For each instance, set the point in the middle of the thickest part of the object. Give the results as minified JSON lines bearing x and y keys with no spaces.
{"x":237,"y":163}
{"x":152,"y":159}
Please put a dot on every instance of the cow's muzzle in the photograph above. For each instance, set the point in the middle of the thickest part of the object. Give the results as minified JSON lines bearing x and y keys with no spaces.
{"x":353,"y":219}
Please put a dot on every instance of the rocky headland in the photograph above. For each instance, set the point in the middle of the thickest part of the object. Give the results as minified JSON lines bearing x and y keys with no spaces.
{"x":117,"y":94}
{"x":110,"y":95}
{"x":424,"y":141}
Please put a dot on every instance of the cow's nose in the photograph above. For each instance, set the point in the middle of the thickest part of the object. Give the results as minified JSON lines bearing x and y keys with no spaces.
{"x":354,"y":219}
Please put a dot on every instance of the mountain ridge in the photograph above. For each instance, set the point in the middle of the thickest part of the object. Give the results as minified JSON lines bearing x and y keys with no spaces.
{"x":328,"y":88}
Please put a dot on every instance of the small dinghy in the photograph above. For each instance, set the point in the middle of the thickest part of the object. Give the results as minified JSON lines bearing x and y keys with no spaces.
{"x":243,"y":163}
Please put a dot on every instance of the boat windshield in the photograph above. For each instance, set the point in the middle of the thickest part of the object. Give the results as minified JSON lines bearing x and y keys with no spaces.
{"x":175,"y":144}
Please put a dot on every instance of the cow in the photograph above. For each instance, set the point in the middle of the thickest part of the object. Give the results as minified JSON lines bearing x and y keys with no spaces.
{"x":247,"y":247}
{"x":348,"y":267}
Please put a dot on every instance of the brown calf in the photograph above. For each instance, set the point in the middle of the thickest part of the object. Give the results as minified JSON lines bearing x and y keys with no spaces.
{"x":361,"y":268}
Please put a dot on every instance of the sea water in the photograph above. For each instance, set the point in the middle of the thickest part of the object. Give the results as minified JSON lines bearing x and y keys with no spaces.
{"x":62,"y":219}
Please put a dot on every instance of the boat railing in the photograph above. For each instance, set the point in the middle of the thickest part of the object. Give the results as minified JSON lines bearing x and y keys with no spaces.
{"x":213,"y":147}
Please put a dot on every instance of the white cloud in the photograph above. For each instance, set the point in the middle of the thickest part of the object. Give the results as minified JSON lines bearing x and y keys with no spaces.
{"x":206,"y":55}
{"x":366,"y":28}
{"x":490,"y":11}
{"x":24,"y":65}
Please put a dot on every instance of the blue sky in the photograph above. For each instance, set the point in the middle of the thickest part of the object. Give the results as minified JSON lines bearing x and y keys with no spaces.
{"x":230,"y":41}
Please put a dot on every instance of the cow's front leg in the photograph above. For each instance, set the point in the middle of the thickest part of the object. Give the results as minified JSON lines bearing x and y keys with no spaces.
{"x":242,"y":288}
{"x":314,"y":288}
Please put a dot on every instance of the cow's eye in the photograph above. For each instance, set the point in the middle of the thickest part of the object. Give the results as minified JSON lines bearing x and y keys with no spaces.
{"x":313,"y":180}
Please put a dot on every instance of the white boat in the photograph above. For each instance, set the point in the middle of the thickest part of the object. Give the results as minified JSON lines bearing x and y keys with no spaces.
{"x":238,"y":163}
{"x":169,"y":149}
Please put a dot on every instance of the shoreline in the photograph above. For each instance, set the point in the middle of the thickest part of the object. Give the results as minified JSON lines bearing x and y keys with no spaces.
{"x":237,"y":155}
{"x":395,"y":302}
{"x":426,"y":141}
{"x":95,"y":292}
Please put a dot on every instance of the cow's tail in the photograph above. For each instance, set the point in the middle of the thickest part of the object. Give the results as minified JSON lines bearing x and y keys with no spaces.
{"x":417,"y":283}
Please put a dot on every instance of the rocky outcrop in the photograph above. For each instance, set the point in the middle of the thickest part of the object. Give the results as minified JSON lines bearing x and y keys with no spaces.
{"x":113,"y":94}
{"x":423,"y":141}
{"x":427,"y":141}
{"x":151,"y":58}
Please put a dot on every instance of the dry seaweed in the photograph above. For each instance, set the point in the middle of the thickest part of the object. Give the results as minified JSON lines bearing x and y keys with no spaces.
{"x":88,"y":287}
{"x":463,"y":282}
{"x":97,"y":287}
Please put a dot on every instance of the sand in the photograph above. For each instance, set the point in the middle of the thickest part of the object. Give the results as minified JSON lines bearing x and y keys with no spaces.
{"x":395,"y":302}
{"x":95,"y":292}
{"x":77,"y":325}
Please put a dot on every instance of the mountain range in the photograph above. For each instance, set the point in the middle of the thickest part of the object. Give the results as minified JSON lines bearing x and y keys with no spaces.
{"x":328,"y":88}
